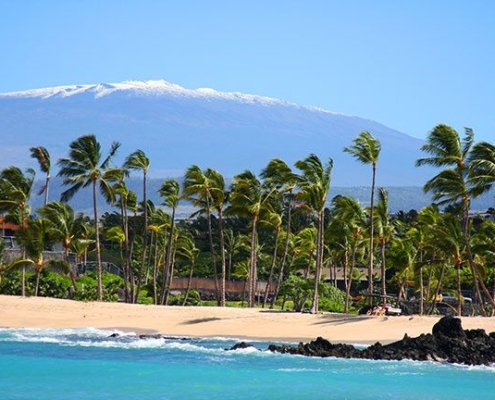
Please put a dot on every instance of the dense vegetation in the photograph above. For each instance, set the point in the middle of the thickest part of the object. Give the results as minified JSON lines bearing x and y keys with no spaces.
{"x":276,"y":227}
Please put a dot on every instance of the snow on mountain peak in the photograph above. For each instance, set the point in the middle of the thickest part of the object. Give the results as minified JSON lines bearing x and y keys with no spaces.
{"x":152,"y":88}
{"x":138,"y":88}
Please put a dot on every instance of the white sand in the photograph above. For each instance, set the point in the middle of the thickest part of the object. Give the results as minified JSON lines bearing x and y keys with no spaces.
{"x":32,"y":312}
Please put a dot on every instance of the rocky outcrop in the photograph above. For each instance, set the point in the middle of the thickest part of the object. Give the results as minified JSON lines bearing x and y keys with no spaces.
{"x":448,"y":343}
{"x":240,"y":346}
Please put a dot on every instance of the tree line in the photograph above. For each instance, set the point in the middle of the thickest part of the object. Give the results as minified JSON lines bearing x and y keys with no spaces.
{"x":277,"y":226}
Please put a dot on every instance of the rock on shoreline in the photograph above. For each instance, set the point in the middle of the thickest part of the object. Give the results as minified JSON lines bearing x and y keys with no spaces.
{"x":448,"y":343}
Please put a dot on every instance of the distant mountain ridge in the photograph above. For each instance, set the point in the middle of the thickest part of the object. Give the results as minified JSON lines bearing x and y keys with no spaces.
{"x":400,"y":198}
{"x":178,"y":127}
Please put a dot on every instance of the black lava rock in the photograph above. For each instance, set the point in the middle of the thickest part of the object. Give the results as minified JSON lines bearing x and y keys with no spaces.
{"x":448,"y":343}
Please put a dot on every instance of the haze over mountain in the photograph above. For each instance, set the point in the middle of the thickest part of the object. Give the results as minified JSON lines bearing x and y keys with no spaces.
{"x":178,"y":127}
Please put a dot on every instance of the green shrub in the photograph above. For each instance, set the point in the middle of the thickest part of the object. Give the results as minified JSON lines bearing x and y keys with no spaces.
{"x":193,"y":299}
{"x":330,"y":298}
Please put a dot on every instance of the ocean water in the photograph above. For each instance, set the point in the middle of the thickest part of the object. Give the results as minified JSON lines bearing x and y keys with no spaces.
{"x":87,"y":364}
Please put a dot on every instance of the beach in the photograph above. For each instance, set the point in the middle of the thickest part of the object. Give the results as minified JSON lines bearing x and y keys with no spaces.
{"x":241,"y":323}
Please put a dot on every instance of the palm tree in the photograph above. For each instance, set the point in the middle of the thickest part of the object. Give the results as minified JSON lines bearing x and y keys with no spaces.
{"x":450,"y":242}
{"x":249,"y":200}
{"x":306,"y":241}
{"x":84,"y":238}
{"x":43,"y":157}
{"x":279,"y":175}
{"x":453,"y":185}
{"x":170,"y":193}
{"x":15,"y":192}
{"x":198,"y":189}
{"x":484,"y":246}
{"x":350,"y":215}
{"x":385,"y":231}
{"x":366,"y":149}
{"x":63,"y":224}
{"x":35,"y":236}
{"x":421,"y":237}
{"x":403,"y":255}
{"x":86,"y":167}
{"x":138,"y":161}
{"x":219,"y":196}
{"x":314,"y":185}
{"x":273,"y":220}
{"x":187,"y":250}
{"x":127,"y":200}
{"x":235,"y":245}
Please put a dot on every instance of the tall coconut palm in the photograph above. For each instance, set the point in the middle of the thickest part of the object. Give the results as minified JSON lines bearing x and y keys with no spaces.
{"x":314,"y":185}
{"x":351,"y":216}
{"x":278,"y":174}
{"x":138,"y":161}
{"x":15,"y":192}
{"x":366,"y":149}
{"x":482,"y":172}
{"x":453,"y":185}
{"x":86,"y":167}
{"x":170,"y":193}
{"x":420,"y":236}
{"x":384,"y":231}
{"x":249,"y":200}
{"x":274,"y":221}
{"x":42,"y":155}
{"x":127,"y":200}
{"x":198,"y":189}
{"x":448,"y":239}
{"x":219,"y":196}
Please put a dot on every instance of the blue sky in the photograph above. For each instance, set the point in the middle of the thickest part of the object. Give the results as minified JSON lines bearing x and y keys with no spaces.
{"x":407,"y":64}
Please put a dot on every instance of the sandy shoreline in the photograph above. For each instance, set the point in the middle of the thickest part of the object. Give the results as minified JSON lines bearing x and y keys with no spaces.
{"x":239,"y":323}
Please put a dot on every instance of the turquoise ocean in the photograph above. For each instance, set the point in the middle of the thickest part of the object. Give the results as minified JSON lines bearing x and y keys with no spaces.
{"x":86,"y":364}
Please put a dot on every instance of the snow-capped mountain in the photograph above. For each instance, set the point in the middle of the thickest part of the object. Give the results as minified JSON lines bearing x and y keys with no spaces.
{"x":178,"y":127}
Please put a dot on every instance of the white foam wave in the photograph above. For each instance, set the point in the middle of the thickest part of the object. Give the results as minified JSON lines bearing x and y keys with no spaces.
{"x":297,"y":370}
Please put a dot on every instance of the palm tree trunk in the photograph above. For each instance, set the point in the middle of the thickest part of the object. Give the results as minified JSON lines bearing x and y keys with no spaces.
{"x":222,"y":251}
{"x":23,"y":288}
{"x":421,"y":285}
{"x":168,"y":257}
{"x":252,"y":281}
{"x":319,"y":259}
{"x":268,"y":287}
{"x":372,"y":234}
{"x":437,"y":290}
{"x":171,"y":275}
{"x":285,"y":253}
{"x":476,"y":281}
{"x":189,"y":282}
{"x":349,"y":279}
{"x":46,"y":189}
{"x":38,"y":273}
{"x":145,"y":239}
{"x":384,"y":269}
{"x":459,"y":294}
{"x":213,"y":254}
{"x":98,"y":249}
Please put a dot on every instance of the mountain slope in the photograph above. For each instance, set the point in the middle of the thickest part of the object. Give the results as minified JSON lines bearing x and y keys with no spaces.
{"x":177,"y":127}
